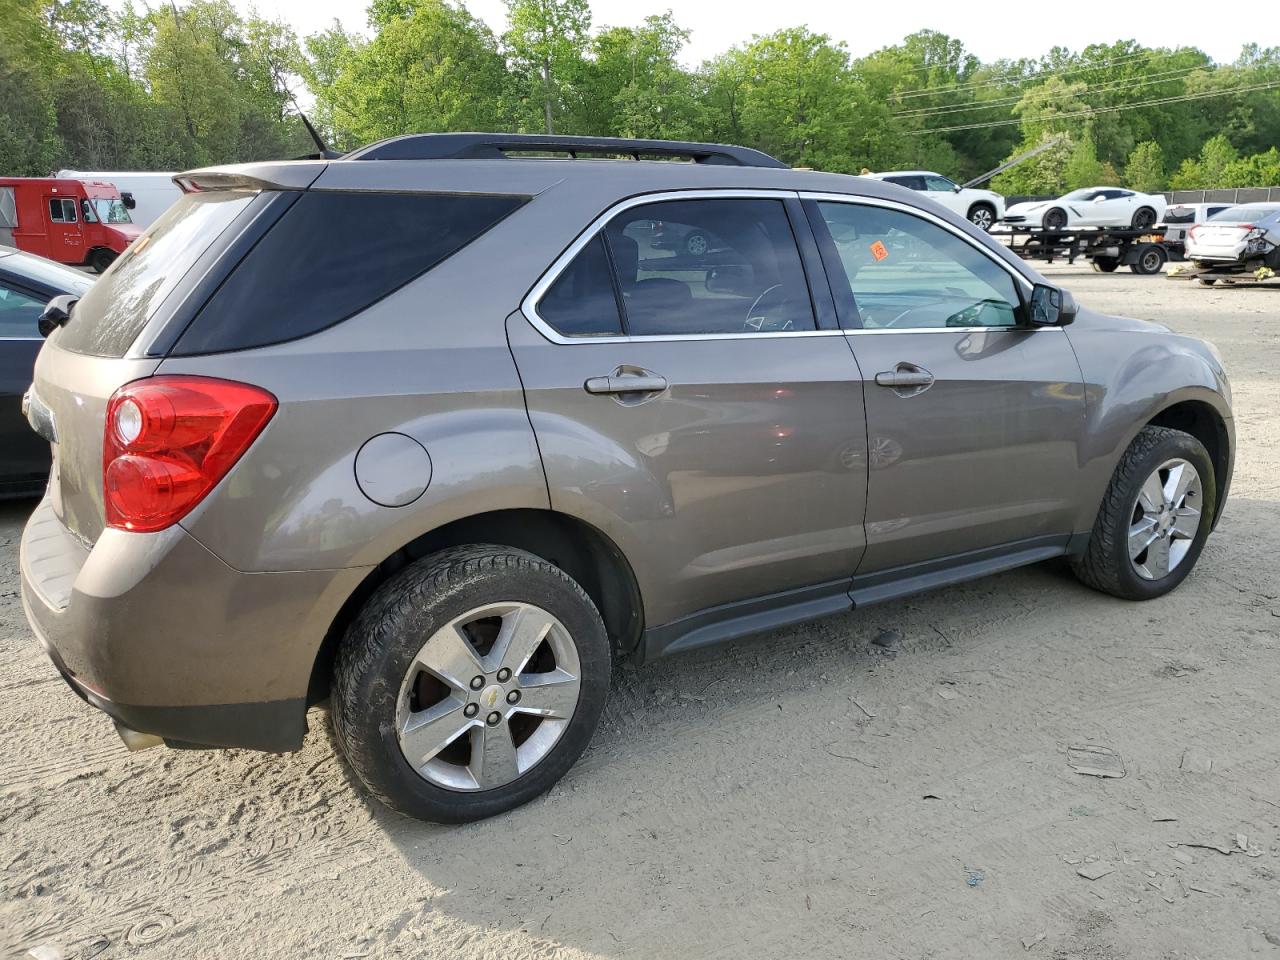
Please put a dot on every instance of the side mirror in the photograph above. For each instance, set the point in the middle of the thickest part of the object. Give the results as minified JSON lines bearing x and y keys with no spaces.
{"x":127,"y":199}
{"x":1051,"y":306}
{"x":956,"y":187}
{"x":56,"y":313}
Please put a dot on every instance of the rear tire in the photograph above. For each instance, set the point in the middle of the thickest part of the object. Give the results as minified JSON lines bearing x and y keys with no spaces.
{"x":1144,"y":218}
{"x":415,"y":676}
{"x":1111,"y":563}
{"x":1150,"y":260}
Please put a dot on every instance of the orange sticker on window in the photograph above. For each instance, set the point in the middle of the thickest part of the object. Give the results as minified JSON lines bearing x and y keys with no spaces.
{"x":879,"y":250}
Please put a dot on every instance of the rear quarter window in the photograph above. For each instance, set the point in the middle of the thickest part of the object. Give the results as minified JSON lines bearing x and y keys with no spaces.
{"x":331,"y":255}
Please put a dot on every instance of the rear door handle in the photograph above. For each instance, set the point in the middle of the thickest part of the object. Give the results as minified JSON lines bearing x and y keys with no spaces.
{"x":626,"y":383}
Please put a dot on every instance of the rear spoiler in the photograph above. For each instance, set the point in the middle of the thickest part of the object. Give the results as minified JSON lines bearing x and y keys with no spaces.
{"x":252,"y":177}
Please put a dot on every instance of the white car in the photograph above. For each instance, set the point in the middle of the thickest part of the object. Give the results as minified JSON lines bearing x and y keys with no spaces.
{"x":982,"y":208}
{"x":1090,"y":207}
{"x":1179,"y":220}
{"x":1240,"y":238}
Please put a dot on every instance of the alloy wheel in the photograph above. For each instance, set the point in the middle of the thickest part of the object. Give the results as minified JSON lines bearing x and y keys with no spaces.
{"x":982,"y":218}
{"x":1165,"y":519}
{"x":487,"y":696}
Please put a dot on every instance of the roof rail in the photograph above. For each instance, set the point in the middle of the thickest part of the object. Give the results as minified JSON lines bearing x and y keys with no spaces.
{"x":495,"y":146}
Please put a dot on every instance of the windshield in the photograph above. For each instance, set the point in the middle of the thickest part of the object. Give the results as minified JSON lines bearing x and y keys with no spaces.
{"x":1085,"y":194}
{"x":112,"y":211}
{"x":1247,"y":213}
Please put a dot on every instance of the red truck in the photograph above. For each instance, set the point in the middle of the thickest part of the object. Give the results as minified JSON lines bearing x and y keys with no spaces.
{"x":71,"y":221}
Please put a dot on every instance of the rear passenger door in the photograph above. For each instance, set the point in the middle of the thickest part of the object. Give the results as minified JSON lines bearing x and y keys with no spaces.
{"x":702,"y":409}
{"x":974,"y":417}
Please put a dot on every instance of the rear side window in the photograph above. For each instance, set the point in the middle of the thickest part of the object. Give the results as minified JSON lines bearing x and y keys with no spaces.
{"x":581,"y":303}
{"x":331,"y":255}
{"x":114,"y":311}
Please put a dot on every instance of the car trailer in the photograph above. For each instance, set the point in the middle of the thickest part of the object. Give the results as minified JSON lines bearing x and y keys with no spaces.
{"x":1106,"y":248}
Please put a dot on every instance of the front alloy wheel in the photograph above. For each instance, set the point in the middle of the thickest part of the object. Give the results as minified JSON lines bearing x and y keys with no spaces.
{"x":1166,"y":518}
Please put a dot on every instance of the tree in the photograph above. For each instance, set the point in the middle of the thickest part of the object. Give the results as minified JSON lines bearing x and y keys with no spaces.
{"x":1145,"y":170}
{"x":1209,"y":170}
{"x":547,"y":40}
{"x":1083,"y":168}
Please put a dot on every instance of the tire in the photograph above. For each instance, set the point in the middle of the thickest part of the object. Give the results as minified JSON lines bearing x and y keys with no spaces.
{"x":102,"y":258}
{"x":1144,"y":218}
{"x":1106,"y":264}
{"x":1055,"y":219}
{"x":696,"y":244}
{"x":1150,"y":260}
{"x":378,"y":675}
{"x":1206,"y":281}
{"x":983,"y":216}
{"x":1106,"y":564}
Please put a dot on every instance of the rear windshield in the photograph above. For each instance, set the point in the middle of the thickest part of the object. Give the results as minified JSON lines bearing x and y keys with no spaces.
{"x":112,"y":314}
{"x":331,"y":255}
{"x":1180,"y":215}
{"x":1247,"y":213}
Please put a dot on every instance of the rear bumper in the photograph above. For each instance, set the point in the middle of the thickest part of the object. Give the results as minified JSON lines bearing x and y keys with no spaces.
{"x":164,"y":637}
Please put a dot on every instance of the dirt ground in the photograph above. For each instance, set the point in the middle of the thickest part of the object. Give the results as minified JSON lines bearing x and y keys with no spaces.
{"x":894,"y":783}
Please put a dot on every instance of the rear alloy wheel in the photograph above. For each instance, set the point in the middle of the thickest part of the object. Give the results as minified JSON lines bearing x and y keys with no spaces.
{"x":1154,"y":518}
{"x":1144,"y":218}
{"x":982,"y":216}
{"x":1055,"y":219}
{"x":470,"y":683}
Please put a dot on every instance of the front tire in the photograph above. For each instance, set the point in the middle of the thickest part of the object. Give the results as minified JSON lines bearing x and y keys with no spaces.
{"x":470,"y":683}
{"x":1106,"y":264}
{"x":1055,"y":219}
{"x":1154,"y":518}
{"x":983,"y":216}
{"x":102,"y":258}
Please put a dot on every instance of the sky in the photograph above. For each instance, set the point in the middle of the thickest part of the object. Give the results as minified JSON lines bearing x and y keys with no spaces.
{"x":990,"y":30}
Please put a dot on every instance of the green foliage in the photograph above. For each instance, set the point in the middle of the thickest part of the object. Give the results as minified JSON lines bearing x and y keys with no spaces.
{"x":1145,"y":170}
{"x":107,"y":83}
{"x":1083,"y":169}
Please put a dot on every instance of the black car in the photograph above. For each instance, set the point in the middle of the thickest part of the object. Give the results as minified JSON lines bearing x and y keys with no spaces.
{"x":27,"y":283}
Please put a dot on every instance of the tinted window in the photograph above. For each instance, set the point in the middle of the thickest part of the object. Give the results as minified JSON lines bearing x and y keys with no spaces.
{"x":688,"y":267}
{"x":581,"y":303}
{"x":905,"y":272}
{"x":110,"y":316}
{"x":911,"y":183}
{"x":331,"y":255}
{"x":18,"y":313}
{"x":940,"y":183}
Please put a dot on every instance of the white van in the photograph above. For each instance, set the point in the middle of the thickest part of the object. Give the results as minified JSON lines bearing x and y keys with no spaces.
{"x":147,"y":195}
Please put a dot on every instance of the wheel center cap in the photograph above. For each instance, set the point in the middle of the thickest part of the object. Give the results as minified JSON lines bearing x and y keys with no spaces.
{"x":490,"y":696}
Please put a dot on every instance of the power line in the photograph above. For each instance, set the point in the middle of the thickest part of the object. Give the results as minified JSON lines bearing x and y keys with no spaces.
{"x":1094,"y":111}
{"x":1158,"y":77}
{"x":1014,"y":79}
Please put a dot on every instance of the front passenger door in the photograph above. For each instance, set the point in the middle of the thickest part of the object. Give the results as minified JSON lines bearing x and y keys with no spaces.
{"x":974,"y":419}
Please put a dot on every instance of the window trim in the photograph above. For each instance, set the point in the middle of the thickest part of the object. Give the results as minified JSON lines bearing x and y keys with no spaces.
{"x":1023,"y":284}
{"x":529,"y":305}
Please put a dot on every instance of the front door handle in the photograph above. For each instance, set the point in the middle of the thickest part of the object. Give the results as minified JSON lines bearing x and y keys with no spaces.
{"x":906,"y":379}
{"x":627,"y":383}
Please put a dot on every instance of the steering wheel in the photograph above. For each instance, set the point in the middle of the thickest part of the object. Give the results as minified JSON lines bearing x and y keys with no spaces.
{"x":758,"y":320}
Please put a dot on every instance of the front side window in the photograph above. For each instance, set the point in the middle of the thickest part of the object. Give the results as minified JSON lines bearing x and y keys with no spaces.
{"x":911,"y":183}
{"x":685,"y":268}
{"x":940,"y":183}
{"x":62,"y":211}
{"x":905,"y":272}
{"x":18,"y":314}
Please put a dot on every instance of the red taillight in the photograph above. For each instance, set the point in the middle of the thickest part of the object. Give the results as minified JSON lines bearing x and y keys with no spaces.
{"x":169,"y":440}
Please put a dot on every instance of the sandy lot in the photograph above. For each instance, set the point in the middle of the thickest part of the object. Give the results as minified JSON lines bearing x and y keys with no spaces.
{"x":809,"y":793}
